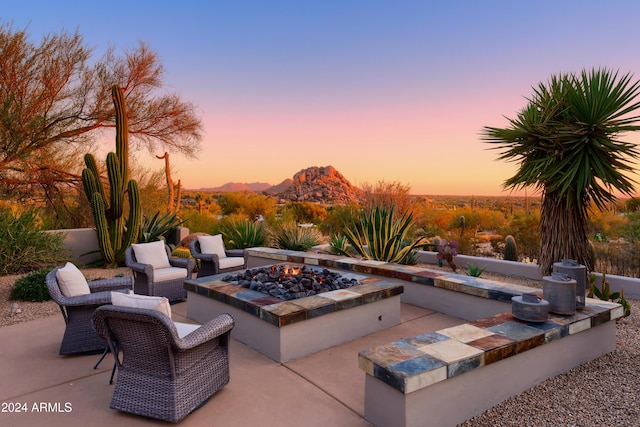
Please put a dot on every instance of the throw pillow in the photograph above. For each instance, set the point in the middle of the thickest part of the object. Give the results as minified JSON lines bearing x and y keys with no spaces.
{"x":71,"y":281}
{"x":212,"y":245}
{"x":153,"y":253}
{"x":160,"y":304}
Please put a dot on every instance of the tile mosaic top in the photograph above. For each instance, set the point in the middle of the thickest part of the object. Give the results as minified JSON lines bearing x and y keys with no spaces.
{"x":417,"y":362}
{"x":411,"y":364}
{"x":281,"y":313}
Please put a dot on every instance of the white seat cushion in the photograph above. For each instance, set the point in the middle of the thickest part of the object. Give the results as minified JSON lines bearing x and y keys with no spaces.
{"x":170,"y":273}
{"x":231,"y":261}
{"x":212,"y":245}
{"x":160,"y":304}
{"x":153,"y":253}
{"x":185,"y":329}
{"x":71,"y":281}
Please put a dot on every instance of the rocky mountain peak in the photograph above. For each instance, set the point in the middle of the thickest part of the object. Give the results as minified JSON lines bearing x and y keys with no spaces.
{"x":323,"y":185}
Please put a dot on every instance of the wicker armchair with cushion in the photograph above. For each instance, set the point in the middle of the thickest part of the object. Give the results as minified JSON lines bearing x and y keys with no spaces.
{"x":166,"y":370}
{"x":214,"y":258}
{"x":156,"y":272}
{"x":77,"y":300}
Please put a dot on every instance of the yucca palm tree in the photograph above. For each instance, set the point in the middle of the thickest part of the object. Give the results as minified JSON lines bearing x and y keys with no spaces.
{"x":567,"y":143}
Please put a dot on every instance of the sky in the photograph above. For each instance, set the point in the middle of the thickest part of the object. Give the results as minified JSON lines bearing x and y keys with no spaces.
{"x":394,"y":91}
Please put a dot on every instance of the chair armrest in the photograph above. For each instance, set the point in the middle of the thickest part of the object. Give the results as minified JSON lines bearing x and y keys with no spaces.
{"x":206,"y":257}
{"x":117,"y":283}
{"x":141,"y":268}
{"x":235,"y":252}
{"x":215,"y":327}
{"x":98,"y":298}
{"x":187,"y":263}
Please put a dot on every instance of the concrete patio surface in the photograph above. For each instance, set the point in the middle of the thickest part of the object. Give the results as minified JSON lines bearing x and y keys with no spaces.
{"x":322,"y":389}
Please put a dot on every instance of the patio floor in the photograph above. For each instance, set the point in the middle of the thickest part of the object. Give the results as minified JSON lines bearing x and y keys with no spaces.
{"x":323,"y":389}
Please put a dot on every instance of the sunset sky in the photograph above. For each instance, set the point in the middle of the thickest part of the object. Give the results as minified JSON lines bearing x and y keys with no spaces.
{"x":382,"y":90}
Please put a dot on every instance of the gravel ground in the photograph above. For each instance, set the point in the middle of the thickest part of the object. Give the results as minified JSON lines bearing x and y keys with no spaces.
{"x":604,"y":392}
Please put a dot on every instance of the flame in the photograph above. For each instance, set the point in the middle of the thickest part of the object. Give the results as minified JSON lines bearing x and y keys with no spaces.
{"x":291,"y":271}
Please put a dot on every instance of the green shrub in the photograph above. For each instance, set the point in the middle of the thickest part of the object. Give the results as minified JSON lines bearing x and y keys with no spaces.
{"x":200,"y":222}
{"x":25,"y":247}
{"x":338,"y":218}
{"x":32,"y":287}
{"x":290,"y":236}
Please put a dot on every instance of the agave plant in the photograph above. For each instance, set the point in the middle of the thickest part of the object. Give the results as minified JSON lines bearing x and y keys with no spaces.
{"x":381,"y":236}
{"x":241,"y":234}
{"x":156,"y":227}
{"x":338,"y":245}
{"x":290,"y":236}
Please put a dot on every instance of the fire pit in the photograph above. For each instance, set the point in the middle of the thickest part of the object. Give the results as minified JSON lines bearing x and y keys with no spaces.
{"x":286,"y":311}
{"x":287,"y":283}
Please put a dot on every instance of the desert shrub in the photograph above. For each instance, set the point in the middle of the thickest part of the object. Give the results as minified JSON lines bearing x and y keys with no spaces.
{"x":338,"y":218}
{"x":25,"y":247}
{"x":305,"y":212}
{"x":200,"y":222}
{"x":32,"y":287}
{"x":387,"y":194}
{"x":289,"y":236}
{"x":250,"y":204}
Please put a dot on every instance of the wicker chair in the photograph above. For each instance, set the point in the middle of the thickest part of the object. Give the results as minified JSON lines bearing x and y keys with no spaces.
{"x":147,"y":280}
{"x":211,"y":264}
{"x":161,"y":375}
{"x":79,"y":335}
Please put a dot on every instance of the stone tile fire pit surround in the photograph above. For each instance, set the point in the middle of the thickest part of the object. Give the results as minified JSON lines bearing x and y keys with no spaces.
{"x":481,"y":363}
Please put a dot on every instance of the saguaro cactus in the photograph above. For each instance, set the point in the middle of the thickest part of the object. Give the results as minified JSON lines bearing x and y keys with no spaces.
{"x":510,"y":249}
{"x":115,"y":232}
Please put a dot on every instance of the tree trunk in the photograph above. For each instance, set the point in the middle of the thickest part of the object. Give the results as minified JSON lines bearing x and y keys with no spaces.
{"x":563,"y":233}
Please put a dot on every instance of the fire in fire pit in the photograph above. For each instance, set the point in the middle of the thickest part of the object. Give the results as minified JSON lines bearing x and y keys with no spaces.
{"x":289,"y":283}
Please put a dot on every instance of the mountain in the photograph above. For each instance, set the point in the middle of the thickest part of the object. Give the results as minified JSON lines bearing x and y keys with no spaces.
{"x":313,"y":184}
{"x":240,"y":186}
{"x":320,"y":184}
{"x":280,"y":188}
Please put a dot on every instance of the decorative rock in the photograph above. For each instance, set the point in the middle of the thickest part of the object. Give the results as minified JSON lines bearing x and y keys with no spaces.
{"x":287,"y":283}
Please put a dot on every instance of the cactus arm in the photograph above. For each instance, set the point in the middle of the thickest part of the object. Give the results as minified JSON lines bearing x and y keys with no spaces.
{"x":116,"y":186}
{"x":91,"y":181}
{"x":102,"y":228}
{"x":122,"y":131}
{"x":135,"y":215}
